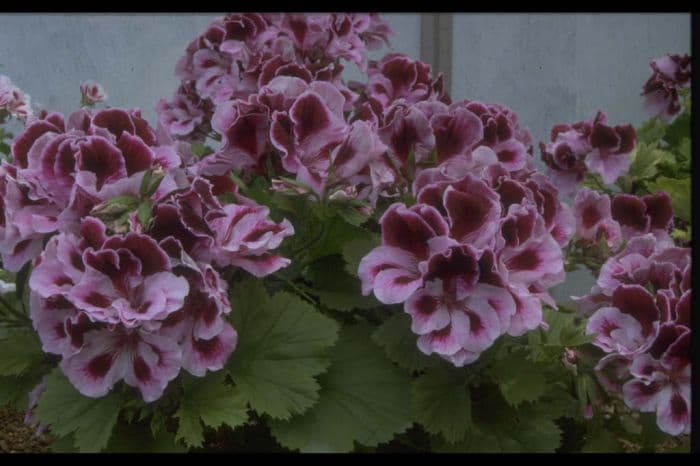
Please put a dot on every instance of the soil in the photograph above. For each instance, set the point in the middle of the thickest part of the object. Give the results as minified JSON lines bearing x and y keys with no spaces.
{"x":15,"y":437}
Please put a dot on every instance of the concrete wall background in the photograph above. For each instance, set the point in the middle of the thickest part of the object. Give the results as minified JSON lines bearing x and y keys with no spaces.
{"x":549,"y":68}
{"x":553,"y":68}
{"x":132,"y":55}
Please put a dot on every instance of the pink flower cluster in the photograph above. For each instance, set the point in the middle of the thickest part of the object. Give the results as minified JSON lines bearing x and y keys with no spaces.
{"x":640,"y":310}
{"x":286,"y":110}
{"x":669,"y":74}
{"x":473,"y":258}
{"x":241,"y":52}
{"x":585,"y":146}
{"x":623,"y":218}
{"x":119,"y":297}
{"x":366,"y":147}
{"x":13,"y":101}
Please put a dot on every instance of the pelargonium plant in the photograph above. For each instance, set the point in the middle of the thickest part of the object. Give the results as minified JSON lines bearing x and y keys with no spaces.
{"x":639,"y":307}
{"x":324,"y":265}
{"x":122,"y":295}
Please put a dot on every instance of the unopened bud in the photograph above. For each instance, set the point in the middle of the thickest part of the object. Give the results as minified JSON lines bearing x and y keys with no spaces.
{"x":571,"y":355}
{"x":91,"y":93}
{"x":365,"y":210}
{"x":345,"y":194}
{"x":285,"y":187}
{"x":115,"y":207}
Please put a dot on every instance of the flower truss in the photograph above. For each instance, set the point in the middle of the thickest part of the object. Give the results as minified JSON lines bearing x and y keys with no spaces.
{"x":121,"y":295}
{"x":224,"y":264}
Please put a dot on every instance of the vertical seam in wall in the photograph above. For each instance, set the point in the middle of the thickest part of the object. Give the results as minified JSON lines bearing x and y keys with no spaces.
{"x":445,"y":50}
{"x":436,"y":44}
{"x":427,"y":37}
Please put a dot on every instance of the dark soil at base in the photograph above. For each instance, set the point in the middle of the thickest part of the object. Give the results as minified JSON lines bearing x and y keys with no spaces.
{"x":15,"y":437}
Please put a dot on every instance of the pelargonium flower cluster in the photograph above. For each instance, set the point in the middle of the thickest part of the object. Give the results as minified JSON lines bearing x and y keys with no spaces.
{"x":594,"y":218}
{"x":13,"y":101}
{"x":62,"y":169}
{"x":622,"y":218}
{"x":300,"y":128}
{"x":473,"y":258}
{"x":397,"y":76}
{"x":639,"y":215}
{"x":640,"y":315}
{"x":297,"y":117}
{"x":292,"y":114}
{"x":239,"y":53}
{"x":116,"y":295}
{"x":670,"y":73}
{"x":587,"y":146}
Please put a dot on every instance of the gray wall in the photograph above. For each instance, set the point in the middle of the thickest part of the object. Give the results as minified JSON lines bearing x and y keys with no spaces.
{"x":553,"y":68}
{"x":549,"y":68}
{"x":132,"y":55}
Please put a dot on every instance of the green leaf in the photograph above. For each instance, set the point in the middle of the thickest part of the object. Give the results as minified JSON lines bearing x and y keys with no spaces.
{"x":519,"y":378}
{"x":679,"y":190}
{"x":20,"y":349}
{"x":144,"y":212}
{"x":66,"y":411}
{"x":297,"y":207}
{"x":682,"y":235}
{"x":354,"y":212}
{"x":354,"y":250}
{"x":138,"y":439}
{"x":15,"y":390}
{"x":651,"y":436}
{"x":399,"y":343}
{"x":150,"y":182}
{"x":565,"y":329}
{"x":337,"y":234}
{"x":651,"y":131}
{"x":678,"y":129}
{"x":335,"y":288}
{"x":22,"y":279}
{"x":258,"y":189}
{"x":64,"y":444}
{"x":281,"y":349}
{"x":364,"y":399}
{"x":601,"y":442}
{"x":684,"y":149}
{"x":645,"y":159}
{"x":200,"y":150}
{"x":504,"y":430}
{"x":210,"y":401}
{"x":190,"y":429}
{"x":441,"y":403}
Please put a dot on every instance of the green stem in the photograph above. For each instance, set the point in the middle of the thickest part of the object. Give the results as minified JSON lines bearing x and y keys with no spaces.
{"x":601,"y":187}
{"x":271,"y":174}
{"x":315,"y":239}
{"x":301,"y":292}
